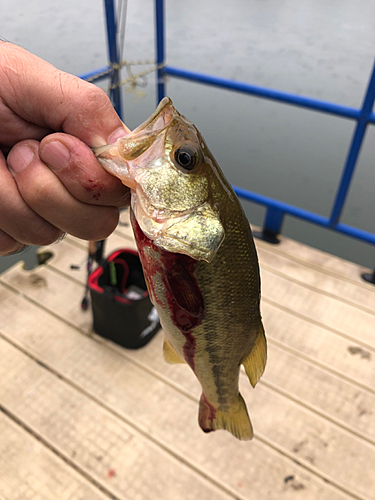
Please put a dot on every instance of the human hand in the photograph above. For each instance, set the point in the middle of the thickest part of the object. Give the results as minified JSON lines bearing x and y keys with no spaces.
{"x":50,"y":181}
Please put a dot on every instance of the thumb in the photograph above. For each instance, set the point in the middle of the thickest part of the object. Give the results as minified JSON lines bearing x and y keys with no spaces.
{"x":59,"y":101}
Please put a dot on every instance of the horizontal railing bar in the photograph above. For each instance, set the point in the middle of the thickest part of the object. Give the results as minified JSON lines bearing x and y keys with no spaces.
{"x":307,"y":102}
{"x":280,"y":205}
{"x":99,"y":74}
{"x":266,"y":93}
{"x":360,"y":234}
{"x":300,"y":213}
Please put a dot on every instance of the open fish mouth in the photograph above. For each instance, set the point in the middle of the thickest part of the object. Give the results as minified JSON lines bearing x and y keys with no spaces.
{"x":159,"y":119}
{"x":147,"y":130}
{"x":114,"y":157}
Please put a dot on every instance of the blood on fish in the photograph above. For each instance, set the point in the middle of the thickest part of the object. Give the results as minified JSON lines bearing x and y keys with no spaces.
{"x":184,"y":297}
{"x":189,"y":350}
{"x":207,"y":413}
{"x":187,"y":304}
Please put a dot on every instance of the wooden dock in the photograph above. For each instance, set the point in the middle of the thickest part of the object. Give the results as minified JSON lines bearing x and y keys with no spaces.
{"x":83,"y":419}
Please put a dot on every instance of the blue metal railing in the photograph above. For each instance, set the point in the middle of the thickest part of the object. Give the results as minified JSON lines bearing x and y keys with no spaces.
{"x":276,"y":210}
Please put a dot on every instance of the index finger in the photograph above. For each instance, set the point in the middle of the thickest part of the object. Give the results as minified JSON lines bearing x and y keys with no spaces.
{"x":79,"y":171}
{"x":43,"y":95}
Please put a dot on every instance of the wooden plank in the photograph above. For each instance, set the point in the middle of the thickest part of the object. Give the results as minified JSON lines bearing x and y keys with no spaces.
{"x":61,"y":296}
{"x":116,"y":456}
{"x":354,"y":324}
{"x":330,"y":357}
{"x":328,"y":394}
{"x":30,"y":471}
{"x":361,"y":295}
{"x":312,"y":256}
{"x":347,"y":358}
{"x":154,"y":407}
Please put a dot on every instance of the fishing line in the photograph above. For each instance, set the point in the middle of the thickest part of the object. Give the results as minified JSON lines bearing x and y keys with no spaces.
{"x":115,"y":69}
{"x":132,"y":82}
{"x":122,"y":13}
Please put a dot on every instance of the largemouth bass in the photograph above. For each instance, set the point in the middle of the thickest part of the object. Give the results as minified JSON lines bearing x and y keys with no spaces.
{"x":199,"y":260}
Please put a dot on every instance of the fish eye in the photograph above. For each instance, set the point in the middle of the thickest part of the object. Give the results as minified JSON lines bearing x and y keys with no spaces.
{"x":186,"y":156}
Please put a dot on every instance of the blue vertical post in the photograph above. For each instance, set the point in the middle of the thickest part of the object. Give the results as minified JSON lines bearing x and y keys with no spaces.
{"x":272,"y":225}
{"x":114,"y":54}
{"x":160,"y":43}
{"x":354,"y":150}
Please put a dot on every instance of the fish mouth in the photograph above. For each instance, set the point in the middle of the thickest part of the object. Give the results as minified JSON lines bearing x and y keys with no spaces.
{"x":159,"y":119}
{"x":116,"y":158}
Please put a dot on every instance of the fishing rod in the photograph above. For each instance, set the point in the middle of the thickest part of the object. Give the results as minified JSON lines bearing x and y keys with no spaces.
{"x":95,"y":254}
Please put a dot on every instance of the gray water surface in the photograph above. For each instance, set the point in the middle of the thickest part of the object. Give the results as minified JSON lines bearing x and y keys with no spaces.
{"x":318,"y":48}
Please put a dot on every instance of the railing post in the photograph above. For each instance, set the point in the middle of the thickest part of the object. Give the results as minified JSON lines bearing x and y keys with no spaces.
{"x":354,"y":151}
{"x":114,"y":55}
{"x":271,"y":226}
{"x":370,"y":277}
{"x":160,"y":44}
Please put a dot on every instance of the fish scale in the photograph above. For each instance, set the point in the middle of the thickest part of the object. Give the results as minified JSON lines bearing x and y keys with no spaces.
{"x":198,"y":258}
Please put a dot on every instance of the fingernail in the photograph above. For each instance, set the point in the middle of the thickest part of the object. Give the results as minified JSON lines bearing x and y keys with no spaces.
{"x":19,"y":158}
{"x":55,"y":154}
{"x":121,"y":132}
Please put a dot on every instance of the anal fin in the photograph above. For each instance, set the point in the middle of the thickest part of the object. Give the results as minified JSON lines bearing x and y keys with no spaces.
{"x":255,"y":362}
{"x":170,"y":354}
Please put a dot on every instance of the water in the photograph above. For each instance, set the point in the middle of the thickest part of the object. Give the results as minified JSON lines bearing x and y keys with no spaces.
{"x":318,"y":48}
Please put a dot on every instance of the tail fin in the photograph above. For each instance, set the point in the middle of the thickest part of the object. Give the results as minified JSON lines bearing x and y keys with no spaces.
{"x":234,"y":419}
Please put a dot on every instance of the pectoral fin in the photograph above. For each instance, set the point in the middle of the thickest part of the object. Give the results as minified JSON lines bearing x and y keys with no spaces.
{"x":199,"y":235}
{"x":170,"y":355}
{"x":255,"y":362}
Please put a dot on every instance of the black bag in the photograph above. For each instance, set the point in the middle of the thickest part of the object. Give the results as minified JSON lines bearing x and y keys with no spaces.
{"x":120,"y":301}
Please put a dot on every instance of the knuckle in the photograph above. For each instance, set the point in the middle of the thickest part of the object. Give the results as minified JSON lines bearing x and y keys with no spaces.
{"x":96,"y":100}
{"x":41,"y":233}
{"x":41,"y":193}
{"x":8,"y":245}
{"x":94,"y":107}
{"x":47,"y":237}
